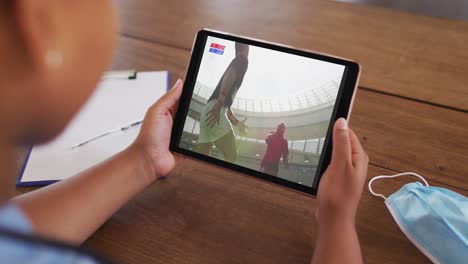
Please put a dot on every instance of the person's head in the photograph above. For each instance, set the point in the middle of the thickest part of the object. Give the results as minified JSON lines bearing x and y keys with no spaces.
{"x":281,"y":128}
{"x":242,"y":49}
{"x":52,"y":55}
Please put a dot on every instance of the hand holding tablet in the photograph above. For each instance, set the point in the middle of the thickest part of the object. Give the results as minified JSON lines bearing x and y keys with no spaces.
{"x":262,"y":109}
{"x":341,"y":185}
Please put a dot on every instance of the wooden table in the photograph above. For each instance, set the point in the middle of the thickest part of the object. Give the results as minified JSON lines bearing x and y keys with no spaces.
{"x":411,"y":114}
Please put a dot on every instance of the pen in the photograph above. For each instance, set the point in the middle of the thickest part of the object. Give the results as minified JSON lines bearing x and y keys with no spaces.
{"x":107,"y":133}
{"x":131,"y":125}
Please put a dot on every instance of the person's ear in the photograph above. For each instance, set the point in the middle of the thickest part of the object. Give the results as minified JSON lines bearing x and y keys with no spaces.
{"x":39,"y":26}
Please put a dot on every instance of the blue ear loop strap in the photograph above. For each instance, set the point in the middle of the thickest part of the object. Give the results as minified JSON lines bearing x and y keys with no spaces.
{"x":392,"y":176}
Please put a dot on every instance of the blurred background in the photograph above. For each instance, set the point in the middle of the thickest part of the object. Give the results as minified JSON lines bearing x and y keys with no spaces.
{"x":453,"y":9}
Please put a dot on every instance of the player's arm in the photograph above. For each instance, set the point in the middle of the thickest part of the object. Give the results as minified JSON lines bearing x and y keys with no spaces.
{"x":73,"y":209}
{"x":240,"y":124}
{"x":285,"y":153}
{"x":233,"y":118}
{"x":227,"y":84}
{"x":213,"y":115}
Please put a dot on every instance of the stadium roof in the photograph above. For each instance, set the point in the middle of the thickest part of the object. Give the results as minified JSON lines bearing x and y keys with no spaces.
{"x":316,"y":96}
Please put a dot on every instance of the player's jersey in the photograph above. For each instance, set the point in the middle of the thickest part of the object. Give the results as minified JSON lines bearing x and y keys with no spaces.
{"x":277,"y":146}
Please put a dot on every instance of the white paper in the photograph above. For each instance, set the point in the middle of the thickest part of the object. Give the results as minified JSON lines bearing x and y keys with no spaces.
{"x":116,"y":103}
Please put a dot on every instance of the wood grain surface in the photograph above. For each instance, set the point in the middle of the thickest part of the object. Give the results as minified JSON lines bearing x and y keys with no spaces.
{"x":413,"y":56}
{"x":411,"y":114}
{"x":204,"y":214}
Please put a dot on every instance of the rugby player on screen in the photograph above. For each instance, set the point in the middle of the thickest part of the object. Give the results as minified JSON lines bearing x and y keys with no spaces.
{"x":217,"y":118}
{"x":277,"y":147}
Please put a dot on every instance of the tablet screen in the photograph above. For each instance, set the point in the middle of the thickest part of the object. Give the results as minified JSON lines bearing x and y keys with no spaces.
{"x":262,"y":109}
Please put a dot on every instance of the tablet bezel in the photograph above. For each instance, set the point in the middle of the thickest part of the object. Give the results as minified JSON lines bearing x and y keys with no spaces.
{"x":342,"y":107}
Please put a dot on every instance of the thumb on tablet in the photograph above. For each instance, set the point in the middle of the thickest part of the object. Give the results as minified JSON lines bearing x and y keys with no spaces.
{"x":168,"y":102}
{"x":341,"y":143}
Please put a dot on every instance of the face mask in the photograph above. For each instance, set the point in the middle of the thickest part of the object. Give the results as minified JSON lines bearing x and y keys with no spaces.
{"x":434,"y":219}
